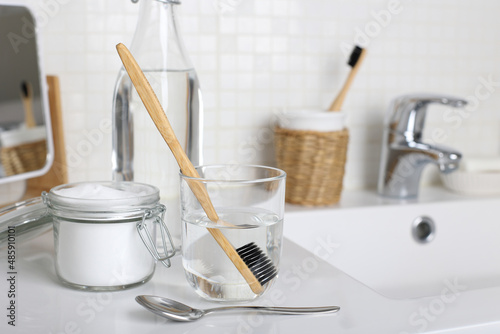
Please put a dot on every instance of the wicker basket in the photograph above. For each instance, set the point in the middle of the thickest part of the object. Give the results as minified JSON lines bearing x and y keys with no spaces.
{"x":24,"y":158}
{"x":314,"y":163}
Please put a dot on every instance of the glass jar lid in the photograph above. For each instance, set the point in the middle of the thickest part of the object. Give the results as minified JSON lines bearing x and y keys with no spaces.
{"x":105,"y":200}
{"x":100,"y":202}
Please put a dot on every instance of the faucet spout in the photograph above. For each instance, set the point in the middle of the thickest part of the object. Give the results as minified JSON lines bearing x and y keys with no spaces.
{"x":400,"y":175}
{"x":449,"y":161}
{"x":446,"y":158}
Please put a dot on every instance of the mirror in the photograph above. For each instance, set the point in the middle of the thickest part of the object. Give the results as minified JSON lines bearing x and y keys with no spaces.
{"x":26,"y":148}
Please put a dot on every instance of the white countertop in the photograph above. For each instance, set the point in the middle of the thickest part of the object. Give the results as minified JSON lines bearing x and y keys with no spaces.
{"x":43,"y":305}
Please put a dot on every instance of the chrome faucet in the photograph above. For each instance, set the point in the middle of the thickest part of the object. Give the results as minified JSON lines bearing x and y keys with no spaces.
{"x":404,"y":155}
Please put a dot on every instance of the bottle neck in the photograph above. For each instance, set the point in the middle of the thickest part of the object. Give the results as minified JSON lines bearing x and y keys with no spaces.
{"x":156,"y":44}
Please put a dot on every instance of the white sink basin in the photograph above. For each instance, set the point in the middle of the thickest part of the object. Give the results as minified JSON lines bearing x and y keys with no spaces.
{"x":371,"y":240}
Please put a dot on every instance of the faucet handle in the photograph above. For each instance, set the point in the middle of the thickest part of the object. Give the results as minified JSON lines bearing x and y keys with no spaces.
{"x":407,"y":112}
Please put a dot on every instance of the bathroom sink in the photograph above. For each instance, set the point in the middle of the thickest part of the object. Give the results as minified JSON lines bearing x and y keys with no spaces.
{"x":408,"y":250}
{"x":441,"y":251}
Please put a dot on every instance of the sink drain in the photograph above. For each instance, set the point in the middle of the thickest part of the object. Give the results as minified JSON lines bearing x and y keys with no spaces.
{"x":423,"y":229}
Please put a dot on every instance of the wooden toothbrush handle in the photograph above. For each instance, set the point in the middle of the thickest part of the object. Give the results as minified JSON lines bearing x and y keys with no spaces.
{"x":156,"y":112}
{"x":339,"y":100}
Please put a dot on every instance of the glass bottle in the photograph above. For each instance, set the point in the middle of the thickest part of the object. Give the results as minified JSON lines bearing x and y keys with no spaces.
{"x":139,"y":153}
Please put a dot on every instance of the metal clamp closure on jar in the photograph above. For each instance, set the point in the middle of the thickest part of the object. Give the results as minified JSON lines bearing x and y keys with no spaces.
{"x":158,"y":213}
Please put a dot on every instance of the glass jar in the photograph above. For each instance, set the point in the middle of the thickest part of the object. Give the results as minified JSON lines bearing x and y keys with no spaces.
{"x":100,"y":233}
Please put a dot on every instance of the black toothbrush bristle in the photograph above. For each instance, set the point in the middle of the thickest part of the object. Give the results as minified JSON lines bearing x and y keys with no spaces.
{"x":258,"y":263}
{"x":24,"y":89}
{"x":355,"y":54}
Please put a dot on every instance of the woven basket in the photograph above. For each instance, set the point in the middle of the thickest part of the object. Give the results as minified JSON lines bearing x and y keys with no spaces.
{"x":314,"y":163}
{"x":24,"y":158}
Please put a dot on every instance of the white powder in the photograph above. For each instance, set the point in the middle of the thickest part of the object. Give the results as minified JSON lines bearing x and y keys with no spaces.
{"x":97,"y":191}
{"x":100,"y":254}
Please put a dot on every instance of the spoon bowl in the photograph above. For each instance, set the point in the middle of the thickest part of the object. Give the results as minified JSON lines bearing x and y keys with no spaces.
{"x":177,"y":311}
{"x":169,"y":308}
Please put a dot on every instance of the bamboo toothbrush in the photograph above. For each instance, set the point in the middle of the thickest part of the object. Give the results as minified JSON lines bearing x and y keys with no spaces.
{"x":27,"y":98}
{"x":250,"y":261}
{"x":355,"y":60}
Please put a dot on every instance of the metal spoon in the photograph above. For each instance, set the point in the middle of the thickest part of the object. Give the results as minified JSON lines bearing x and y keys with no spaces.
{"x":174,"y":310}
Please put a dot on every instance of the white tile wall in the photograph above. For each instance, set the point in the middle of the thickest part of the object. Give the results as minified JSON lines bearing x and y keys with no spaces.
{"x":257,"y":57}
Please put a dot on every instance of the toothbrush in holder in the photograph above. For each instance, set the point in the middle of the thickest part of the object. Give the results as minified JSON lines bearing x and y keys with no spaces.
{"x":357,"y":56}
{"x":255,"y":267}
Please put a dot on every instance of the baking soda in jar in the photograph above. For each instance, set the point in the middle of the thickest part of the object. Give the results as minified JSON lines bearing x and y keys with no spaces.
{"x":100,"y":233}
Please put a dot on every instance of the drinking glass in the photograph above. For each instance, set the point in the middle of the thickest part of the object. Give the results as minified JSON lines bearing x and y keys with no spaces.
{"x":250,"y":203}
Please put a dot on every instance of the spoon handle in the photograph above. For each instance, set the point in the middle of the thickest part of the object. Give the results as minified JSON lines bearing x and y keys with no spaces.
{"x":278,"y":310}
